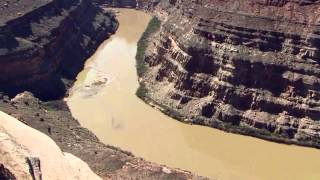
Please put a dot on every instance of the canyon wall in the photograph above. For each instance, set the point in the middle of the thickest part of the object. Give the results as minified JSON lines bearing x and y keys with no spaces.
{"x":42,"y":42}
{"x":249,"y":67}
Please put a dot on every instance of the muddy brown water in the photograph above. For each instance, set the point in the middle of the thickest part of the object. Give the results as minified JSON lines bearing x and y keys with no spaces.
{"x":103,"y":100}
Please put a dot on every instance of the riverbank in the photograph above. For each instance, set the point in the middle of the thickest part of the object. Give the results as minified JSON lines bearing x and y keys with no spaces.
{"x":142,"y":93}
{"x":54,"y":119}
{"x":153,"y":26}
{"x":229,"y":128}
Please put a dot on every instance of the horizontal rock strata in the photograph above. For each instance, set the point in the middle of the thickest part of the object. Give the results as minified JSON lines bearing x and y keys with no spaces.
{"x":250,"y":67}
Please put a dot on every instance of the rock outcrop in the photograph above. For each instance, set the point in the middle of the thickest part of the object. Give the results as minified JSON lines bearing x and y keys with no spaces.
{"x":249,"y":67}
{"x":42,"y":42}
{"x":28,"y":154}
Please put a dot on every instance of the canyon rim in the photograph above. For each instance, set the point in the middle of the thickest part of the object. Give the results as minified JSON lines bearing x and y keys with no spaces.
{"x":246,"y":67}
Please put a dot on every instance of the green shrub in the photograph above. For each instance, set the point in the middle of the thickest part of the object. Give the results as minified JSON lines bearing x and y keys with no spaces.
{"x":141,"y":91}
{"x":153,"y":26}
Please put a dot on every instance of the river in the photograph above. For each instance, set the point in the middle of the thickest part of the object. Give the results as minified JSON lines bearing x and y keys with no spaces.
{"x":103,"y":100}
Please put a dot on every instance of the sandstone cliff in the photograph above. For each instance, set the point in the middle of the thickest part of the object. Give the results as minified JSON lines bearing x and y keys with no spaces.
{"x":42,"y":42}
{"x":28,"y":154}
{"x":249,"y":67}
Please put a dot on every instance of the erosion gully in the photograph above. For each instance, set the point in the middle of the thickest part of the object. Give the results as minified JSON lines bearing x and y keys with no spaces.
{"x":103,"y":100}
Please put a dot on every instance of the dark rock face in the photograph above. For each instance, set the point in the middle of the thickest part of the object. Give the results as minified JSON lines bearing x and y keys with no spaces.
{"x":248,"y":65}
{"x":48,"y":43}
{"x":5,"y":173}
{"x":35,"y":168}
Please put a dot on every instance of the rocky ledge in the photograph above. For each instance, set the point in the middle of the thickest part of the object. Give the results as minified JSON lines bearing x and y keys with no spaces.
{"x":249,"y":67}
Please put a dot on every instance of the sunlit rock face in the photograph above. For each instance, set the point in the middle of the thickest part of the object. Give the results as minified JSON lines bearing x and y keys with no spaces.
{"x":28,"y":154}
{"x":250,"y":64}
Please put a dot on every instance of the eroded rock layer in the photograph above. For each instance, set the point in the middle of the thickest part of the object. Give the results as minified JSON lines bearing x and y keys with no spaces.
{"x":42,"y":42}
{"x":250,"y":67}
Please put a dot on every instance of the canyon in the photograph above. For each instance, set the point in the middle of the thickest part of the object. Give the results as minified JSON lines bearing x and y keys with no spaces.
{"x":43,"y":46}
{"x":246,"y":67}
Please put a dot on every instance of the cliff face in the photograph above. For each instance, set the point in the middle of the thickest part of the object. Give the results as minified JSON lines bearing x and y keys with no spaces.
{"x":250,"y":67}
{"x":45,"y":41}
